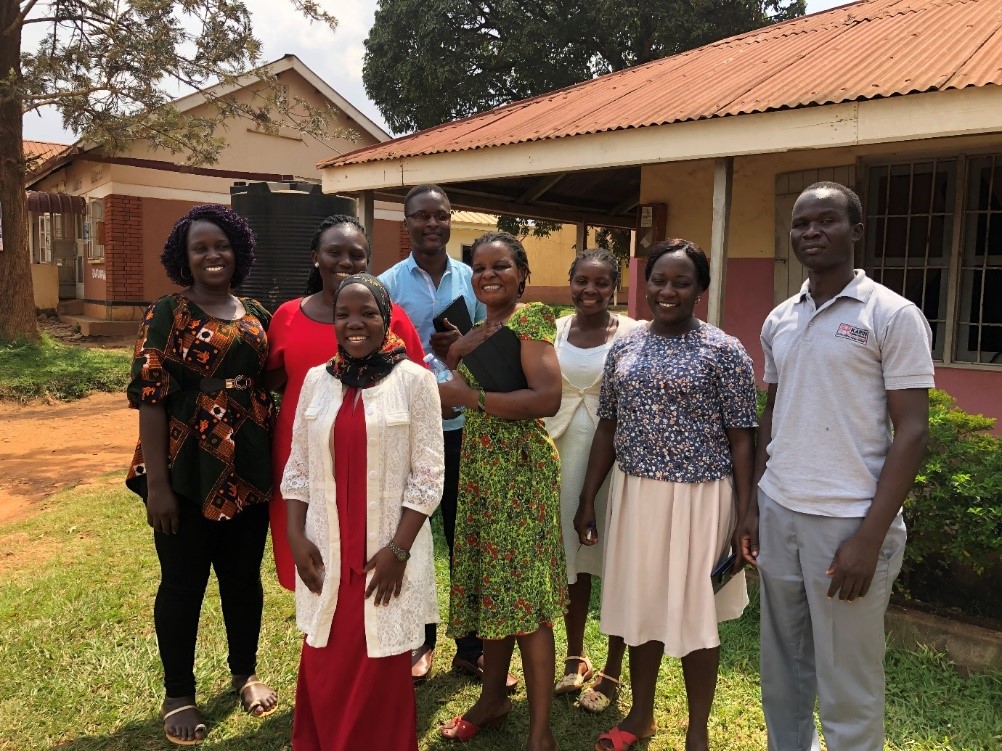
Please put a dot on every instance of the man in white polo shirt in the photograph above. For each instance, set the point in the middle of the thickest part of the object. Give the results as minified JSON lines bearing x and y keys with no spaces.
{"x":848,"y":364}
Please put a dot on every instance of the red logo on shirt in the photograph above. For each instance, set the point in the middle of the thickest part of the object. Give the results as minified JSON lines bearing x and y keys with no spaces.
{"x":852,"y":333}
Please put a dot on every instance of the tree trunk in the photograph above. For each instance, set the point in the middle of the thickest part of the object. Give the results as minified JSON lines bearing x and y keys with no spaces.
{"x":17,"y":297}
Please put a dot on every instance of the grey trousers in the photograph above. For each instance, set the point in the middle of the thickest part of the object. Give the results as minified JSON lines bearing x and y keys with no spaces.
{"x":813,"y":647}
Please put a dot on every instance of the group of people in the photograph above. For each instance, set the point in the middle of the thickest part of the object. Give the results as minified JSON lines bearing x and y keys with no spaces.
{"x":630,"y":454}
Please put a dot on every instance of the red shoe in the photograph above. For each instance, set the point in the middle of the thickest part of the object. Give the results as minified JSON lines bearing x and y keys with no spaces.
{"x":618,"y":740}
{"x":458,"y":729}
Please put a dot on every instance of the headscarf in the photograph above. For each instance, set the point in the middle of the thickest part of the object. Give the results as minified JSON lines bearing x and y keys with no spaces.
{"x":361,"y":372}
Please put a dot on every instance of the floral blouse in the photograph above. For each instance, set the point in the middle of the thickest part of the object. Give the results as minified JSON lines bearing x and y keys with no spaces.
{"x":219,"y":451}
{"x":673,"y":397}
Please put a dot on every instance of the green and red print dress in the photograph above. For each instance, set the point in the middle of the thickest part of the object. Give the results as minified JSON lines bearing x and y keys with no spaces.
{"x":220,"y":438}
{"x":508,"y":575}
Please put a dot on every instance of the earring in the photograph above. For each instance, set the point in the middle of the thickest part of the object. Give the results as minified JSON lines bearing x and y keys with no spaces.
{"x":186,"y":274}
{"x":698,"y":298}
{"x":316,"y":264}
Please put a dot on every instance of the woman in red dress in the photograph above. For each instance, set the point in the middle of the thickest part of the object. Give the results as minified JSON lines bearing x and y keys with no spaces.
{"x":365,"y":472}
{"x":301,"y":336}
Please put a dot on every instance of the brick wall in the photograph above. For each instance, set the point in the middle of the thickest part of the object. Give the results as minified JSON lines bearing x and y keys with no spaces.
{"x":405,"y":242}
{"x":123,"y":247}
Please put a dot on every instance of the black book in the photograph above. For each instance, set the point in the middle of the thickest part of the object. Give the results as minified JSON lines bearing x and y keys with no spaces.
{"x":458,"y":315}
{"x":497,"y":362}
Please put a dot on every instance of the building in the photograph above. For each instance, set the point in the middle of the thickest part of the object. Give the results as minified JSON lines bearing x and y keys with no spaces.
{"x":899,"y":98}
{"x":98,"y":222}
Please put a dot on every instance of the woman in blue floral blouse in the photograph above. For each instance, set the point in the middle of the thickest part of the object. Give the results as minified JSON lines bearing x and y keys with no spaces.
{"x":676,"y":418}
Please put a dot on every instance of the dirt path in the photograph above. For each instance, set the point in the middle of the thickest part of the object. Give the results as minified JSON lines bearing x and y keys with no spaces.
{"x":45,"y":448}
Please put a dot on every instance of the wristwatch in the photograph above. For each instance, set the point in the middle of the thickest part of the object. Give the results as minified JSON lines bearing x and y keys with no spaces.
{"x":398,"y":552}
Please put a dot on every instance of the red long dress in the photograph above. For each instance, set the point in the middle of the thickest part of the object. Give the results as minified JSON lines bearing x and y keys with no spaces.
{"x":297,"y":343}
{"x":346,"y":700}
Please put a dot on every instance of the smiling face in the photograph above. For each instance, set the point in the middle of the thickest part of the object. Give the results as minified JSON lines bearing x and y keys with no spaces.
{"x":358,"y":324}
{"x":341,"y":251}
{"x":210,"y":256}
{"x":672,"y":291}
{"x":821,"y":234}
{"x":592,"y":286}
{"x":496,"y":278}
{"x":428,"y":222}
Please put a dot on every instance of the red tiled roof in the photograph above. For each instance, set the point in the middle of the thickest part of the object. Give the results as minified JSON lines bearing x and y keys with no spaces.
{"x":866,"y":50}
{"x":41,"y":151}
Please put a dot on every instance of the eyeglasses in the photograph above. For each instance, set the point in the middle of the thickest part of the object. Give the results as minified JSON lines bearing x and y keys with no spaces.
{"x":423,"y":217}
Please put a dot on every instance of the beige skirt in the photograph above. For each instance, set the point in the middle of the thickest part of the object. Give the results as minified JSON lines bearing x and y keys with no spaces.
{"x":662,"y":540}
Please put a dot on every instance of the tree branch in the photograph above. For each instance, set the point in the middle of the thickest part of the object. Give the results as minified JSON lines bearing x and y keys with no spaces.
{"x":19,"y":21}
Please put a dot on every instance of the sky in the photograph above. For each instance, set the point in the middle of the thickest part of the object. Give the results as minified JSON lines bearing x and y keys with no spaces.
{"x":336,"y":58}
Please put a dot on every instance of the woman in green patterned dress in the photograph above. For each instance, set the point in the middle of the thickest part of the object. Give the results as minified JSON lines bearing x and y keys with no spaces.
{"x":509,"y":581}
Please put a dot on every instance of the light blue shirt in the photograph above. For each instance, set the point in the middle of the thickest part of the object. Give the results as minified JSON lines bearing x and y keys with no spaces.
{"x":412,"y":288}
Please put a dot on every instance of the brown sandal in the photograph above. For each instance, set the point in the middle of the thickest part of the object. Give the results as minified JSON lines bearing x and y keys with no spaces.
{"x":199,"y":728}
{"x":573,"y":682}
{"x":594,"y":701}
{"x":257,"y":703}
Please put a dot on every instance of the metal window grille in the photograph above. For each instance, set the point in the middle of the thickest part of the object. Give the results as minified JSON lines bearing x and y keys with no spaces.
{"x":979,"y":310}
{"x":909,"y":225}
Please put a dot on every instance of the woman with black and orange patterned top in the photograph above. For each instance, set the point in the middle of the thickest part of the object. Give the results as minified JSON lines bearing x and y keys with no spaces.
{"x":202,"y":463}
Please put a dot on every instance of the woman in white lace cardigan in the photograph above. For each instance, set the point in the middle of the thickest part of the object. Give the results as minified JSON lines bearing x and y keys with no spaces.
{"x":365,"y":473}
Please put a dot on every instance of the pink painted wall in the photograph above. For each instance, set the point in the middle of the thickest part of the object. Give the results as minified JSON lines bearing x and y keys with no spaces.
{"x":974,"y":390}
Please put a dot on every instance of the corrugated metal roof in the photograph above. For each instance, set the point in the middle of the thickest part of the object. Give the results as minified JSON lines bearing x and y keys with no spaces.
{"x":866,"y":50}
{"x":473,"y":217}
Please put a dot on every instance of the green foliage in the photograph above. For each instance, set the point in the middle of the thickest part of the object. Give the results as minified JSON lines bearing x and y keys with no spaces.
{"x":523,"y":228}
{"x":954,"y":512}
{"x":49,"y":368}
{"x":431,"y":61}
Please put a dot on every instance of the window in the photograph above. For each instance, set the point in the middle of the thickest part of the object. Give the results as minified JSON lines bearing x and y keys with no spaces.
{"x":911,"y":211}
{"x":93,"y":231}
{"x":909,"y":222}
{"x":44,"y":238}
{"x":979,"y":313}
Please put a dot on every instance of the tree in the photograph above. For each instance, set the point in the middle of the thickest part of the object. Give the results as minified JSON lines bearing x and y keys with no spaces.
{"x":108,"y":66}
{"x":431,"y":61}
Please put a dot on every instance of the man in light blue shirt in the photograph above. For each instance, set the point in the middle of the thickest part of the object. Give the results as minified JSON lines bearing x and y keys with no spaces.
{"x":424,"y":284}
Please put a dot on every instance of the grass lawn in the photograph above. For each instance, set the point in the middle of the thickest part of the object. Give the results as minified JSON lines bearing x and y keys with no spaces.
{"x":79,"y":666}
{"x":50,"y":368}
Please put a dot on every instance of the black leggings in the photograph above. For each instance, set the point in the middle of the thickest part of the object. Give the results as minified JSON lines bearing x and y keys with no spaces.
{"x":467,"y":647}
{"x":234,"y":549}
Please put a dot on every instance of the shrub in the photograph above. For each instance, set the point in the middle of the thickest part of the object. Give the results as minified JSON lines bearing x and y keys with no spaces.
{"x":954,"y":512}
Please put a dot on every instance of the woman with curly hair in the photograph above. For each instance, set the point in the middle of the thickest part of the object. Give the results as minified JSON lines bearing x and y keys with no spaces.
{"x":301,"y":336}
{"x":205,"y":424}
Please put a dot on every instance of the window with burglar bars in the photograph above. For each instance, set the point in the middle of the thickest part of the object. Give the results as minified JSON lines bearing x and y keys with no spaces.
{"x":909,"y":223}
{"x":911,"y":209}
{"x":979,"y":311}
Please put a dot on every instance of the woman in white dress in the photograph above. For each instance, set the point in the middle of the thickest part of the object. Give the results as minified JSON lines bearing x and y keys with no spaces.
{"x":583,"y":339}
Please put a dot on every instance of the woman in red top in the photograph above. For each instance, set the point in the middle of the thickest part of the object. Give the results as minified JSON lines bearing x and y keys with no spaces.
{"x":301,"y":336}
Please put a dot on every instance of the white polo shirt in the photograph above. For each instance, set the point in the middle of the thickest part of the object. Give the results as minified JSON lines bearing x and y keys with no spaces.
{"x":833,"y":366}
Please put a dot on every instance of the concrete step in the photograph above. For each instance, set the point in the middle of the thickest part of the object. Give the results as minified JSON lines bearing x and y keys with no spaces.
{"x":90,"y":326}
{"x":70,"y":307}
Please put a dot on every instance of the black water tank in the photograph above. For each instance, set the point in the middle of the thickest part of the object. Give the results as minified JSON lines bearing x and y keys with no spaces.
{"x":284,"y":217}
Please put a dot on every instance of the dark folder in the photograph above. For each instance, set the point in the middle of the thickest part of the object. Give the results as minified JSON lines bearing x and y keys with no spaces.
{"x":497,"y":362}
{"x":458,"y":315}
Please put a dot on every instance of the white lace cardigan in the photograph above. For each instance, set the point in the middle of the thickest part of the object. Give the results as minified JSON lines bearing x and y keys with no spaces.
{"x":404,"y":468}
{"x":571,"y":396}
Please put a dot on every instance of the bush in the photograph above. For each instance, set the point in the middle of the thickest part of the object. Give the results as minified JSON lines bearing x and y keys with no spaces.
{"x":954,"y":512}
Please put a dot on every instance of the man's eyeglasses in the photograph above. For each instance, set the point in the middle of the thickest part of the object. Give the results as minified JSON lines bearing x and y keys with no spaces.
{"x":423,"y":217}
